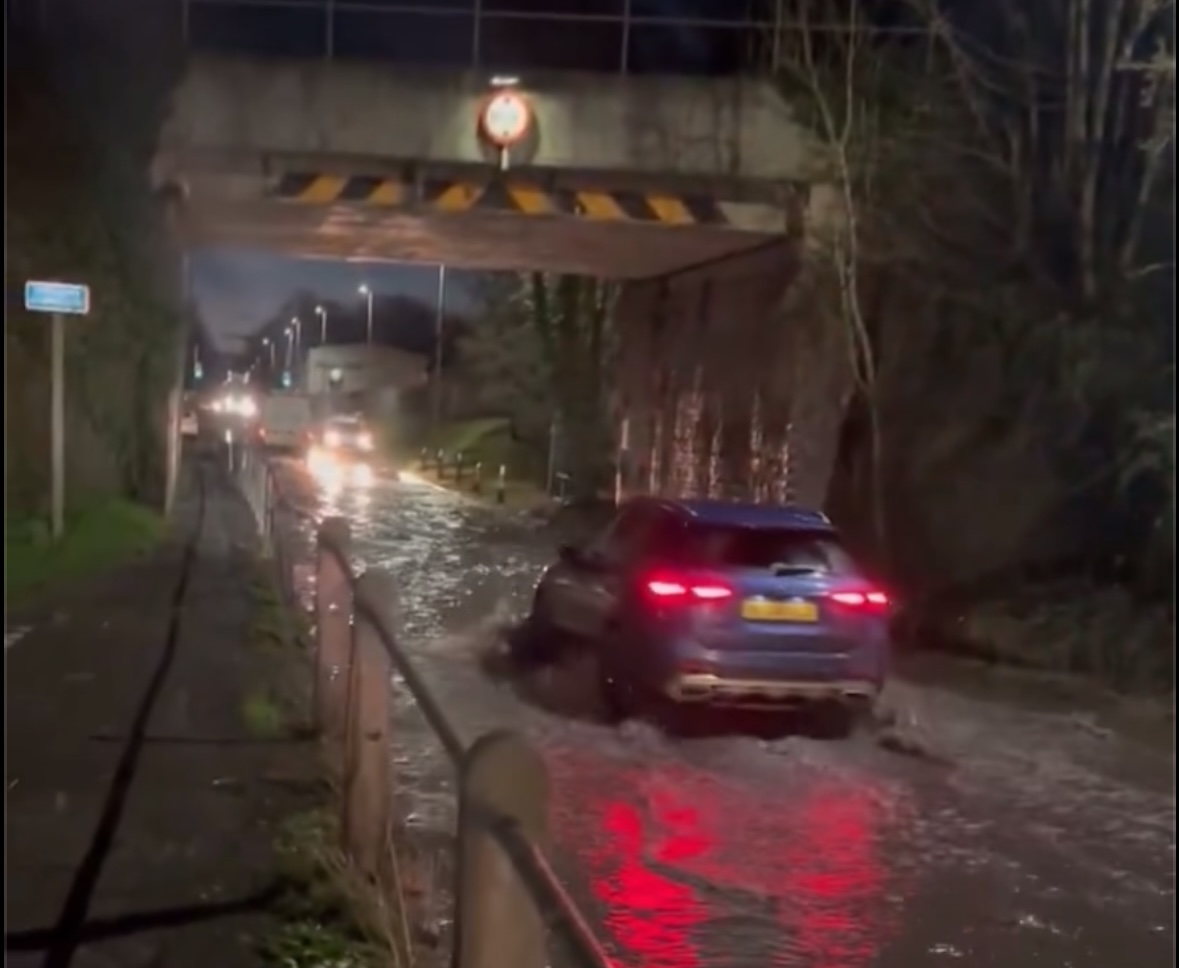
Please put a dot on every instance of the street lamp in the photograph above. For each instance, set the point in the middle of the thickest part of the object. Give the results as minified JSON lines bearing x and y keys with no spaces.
{"x":290,"y":333}
{"x":298,"y":333}
{"x":270,"y":346}
{"x":439,"y":312}
{"x":364,"y":290}
{"x":322,"y":314}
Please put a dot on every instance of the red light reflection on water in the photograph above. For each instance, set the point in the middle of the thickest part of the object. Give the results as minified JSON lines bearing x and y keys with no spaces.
{"x":649,"y":839}
{"x":650,"y":915}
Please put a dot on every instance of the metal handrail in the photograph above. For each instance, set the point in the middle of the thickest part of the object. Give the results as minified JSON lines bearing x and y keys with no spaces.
{"x":431,"y":709}
{"x":531,"y":865}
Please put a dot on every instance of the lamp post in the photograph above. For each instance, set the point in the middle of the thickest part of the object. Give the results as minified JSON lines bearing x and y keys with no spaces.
{"x":439,"y":309}
{"x":368,"y":294}
{"x":322,"y":314}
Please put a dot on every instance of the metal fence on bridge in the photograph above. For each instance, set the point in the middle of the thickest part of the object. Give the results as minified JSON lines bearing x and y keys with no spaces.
{"x":711,"y":37}
{"x":512,"y":37}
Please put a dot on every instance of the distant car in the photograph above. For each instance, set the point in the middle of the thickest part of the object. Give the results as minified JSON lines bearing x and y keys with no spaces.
{"x":189,"y":424}
{"x":716,"y":603}
{"x":344,"y":436}
{"x":342,"y":444}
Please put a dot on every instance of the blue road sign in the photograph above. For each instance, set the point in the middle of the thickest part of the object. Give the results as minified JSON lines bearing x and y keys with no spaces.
{"x":57,"y":297}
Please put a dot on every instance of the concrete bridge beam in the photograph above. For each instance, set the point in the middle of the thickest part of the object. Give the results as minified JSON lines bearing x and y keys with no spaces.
{"x":718,"y":130}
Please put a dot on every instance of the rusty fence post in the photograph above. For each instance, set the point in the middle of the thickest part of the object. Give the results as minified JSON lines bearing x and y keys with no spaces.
{"x":269,"y":500}
{"x":501,"y":779}
{"x":333,"y":619}
{"x":367,"y":801}
{"x":264,"y":502}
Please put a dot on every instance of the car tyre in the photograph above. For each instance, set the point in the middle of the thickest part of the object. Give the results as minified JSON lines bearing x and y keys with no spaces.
{"x":836,"y":719}
{"x":618,"y":695}
{"x":537,"y":641}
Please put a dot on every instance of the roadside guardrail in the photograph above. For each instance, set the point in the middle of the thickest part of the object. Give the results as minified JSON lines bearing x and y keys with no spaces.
{"x":509,"y":900}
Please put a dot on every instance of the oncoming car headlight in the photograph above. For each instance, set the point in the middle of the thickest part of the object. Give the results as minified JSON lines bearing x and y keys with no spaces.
{"x":332,"y":438}
{"x":365,"y":441}
{"x":246,"y":407}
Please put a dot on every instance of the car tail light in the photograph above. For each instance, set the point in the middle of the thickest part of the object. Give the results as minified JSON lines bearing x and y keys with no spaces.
{"x":872,"y":600}
{"x":671,"y":589}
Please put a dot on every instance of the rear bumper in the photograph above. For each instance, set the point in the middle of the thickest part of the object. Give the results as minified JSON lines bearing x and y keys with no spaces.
{"x":720,"y":690}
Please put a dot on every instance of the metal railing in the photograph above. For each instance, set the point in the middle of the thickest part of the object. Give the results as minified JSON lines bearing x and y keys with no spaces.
{"x":490,"y":35}
{"x":508,"y":899}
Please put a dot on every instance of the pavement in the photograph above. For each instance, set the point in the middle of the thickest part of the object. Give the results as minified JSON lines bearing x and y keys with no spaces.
{"x":1020,"y":838}
{"x":139,"y":809}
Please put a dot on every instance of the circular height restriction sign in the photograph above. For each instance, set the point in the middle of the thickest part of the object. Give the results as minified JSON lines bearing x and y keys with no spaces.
{"x":505,"y":118}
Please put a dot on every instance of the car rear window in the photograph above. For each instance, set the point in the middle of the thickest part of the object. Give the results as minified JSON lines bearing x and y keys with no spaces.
{"x":729,"y":547}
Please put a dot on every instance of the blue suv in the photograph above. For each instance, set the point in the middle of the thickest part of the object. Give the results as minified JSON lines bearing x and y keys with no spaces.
{"x":717,"y":603}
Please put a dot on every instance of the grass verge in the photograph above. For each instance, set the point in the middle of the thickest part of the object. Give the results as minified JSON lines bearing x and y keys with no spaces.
{"x":317,"y":925}
{"x":96,"y":537}
{"x":280,"y":705}
{"x":479,"y":438}
{"x":274,"y":625}
{"x":264,"y":716}
{"x":328,"y":914}
{"x":489,"y":441}
{"x":518,"y":495}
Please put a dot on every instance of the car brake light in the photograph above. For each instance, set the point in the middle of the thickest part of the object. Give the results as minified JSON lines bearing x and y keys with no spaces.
{"x":672,"y":589}
{"x":869,"y":601}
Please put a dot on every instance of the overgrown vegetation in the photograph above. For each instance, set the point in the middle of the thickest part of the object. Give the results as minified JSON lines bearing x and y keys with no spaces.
{"x":996,"y":269}
{"x":542,"y":358}
{"x":80,"y":133}
{"x":328,"y":915}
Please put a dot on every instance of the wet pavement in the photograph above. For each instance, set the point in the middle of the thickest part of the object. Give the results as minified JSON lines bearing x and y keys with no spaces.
{"x":1023,"y":840}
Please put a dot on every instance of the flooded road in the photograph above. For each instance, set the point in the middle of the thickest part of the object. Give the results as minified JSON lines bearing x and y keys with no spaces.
{"x":1024,"y":841}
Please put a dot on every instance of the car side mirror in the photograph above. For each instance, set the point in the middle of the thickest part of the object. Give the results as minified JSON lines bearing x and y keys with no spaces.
{"x":570,"y":554}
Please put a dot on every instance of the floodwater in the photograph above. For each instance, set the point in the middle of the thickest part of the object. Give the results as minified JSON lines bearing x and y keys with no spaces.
{"x":1020,"y":840}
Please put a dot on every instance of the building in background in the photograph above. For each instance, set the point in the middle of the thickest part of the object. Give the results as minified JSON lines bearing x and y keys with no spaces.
{"x":361,"y":377}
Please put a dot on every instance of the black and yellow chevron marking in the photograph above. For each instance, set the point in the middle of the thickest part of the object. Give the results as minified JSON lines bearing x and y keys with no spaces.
{"x":501,"y":196}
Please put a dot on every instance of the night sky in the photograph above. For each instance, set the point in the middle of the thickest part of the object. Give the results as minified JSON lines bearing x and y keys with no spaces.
{"x":240,"y":290}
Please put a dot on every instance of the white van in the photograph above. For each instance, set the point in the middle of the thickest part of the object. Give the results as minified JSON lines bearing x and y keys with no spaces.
{"x":286,"y":420}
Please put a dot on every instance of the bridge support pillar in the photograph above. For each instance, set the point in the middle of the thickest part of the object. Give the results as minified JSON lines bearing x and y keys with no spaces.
{"x":733,"y":380}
